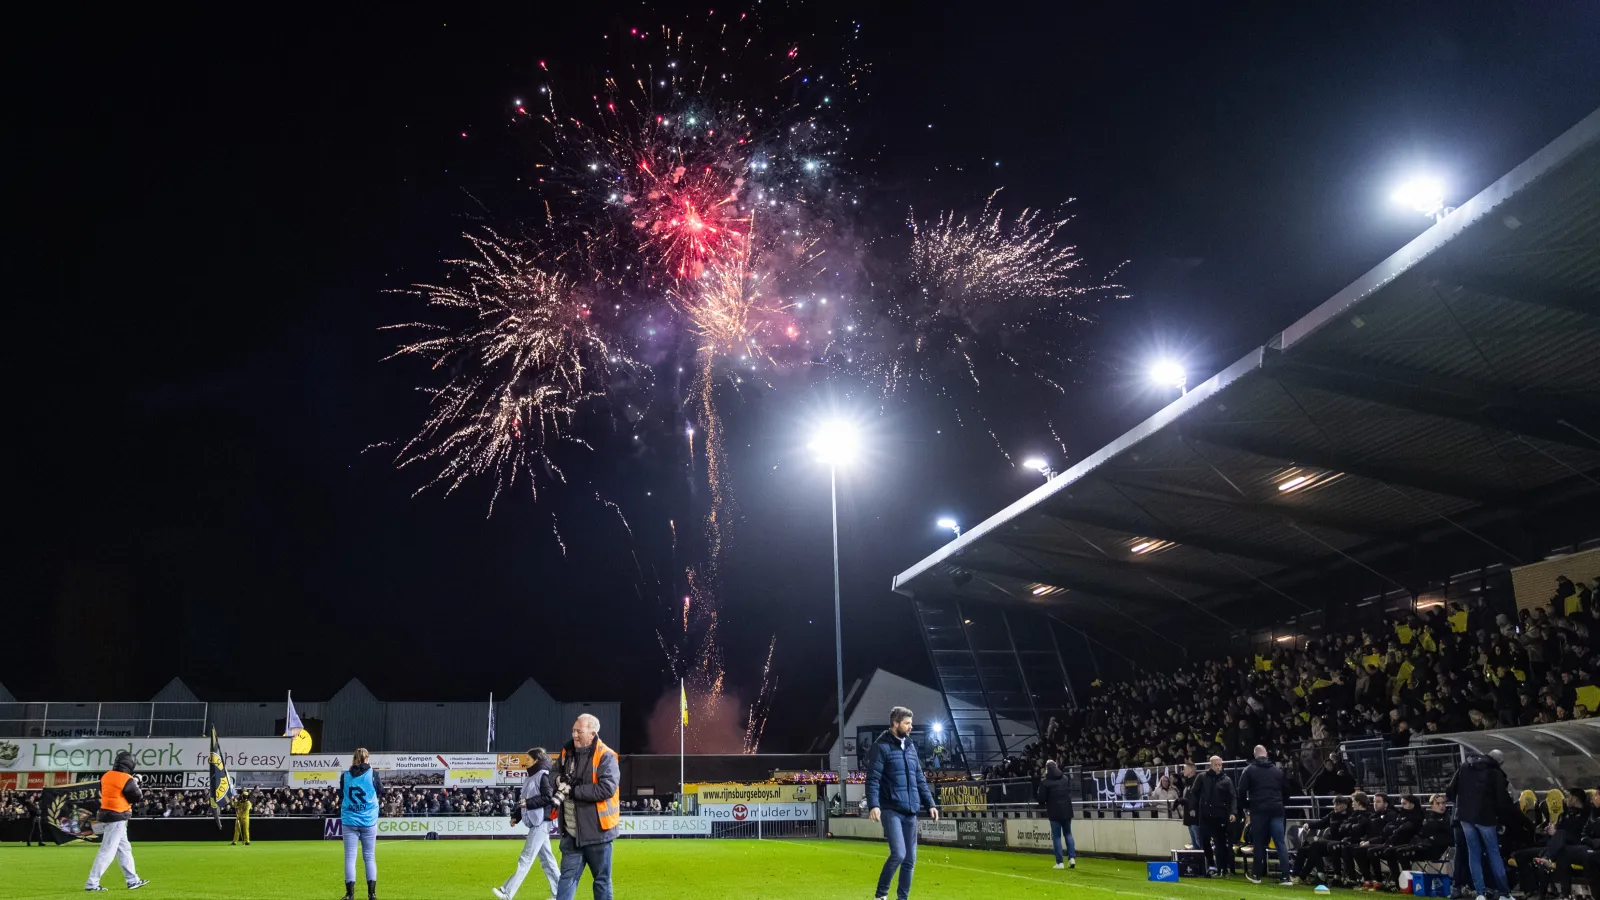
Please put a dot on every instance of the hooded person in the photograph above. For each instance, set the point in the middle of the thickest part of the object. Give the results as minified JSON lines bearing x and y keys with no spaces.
{"x":535,"y":811}
{"x":1055,"y":795}
{"x":119,"y":790}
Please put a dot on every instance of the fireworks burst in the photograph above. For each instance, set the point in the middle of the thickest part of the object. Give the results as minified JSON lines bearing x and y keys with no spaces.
{"x":520,"y":367}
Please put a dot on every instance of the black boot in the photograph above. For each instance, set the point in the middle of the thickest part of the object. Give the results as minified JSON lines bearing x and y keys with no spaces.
{"x":372,"y":890}
{"x":349,"y":890}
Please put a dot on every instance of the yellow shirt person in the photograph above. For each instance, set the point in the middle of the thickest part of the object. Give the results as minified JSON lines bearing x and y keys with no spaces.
{"x":241,"y":819}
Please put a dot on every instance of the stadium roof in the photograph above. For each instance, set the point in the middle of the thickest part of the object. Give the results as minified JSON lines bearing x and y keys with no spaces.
{"x":1455,"y":385}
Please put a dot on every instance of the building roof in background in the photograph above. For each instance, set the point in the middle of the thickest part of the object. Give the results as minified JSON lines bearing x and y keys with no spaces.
{"x":1455,"y":384}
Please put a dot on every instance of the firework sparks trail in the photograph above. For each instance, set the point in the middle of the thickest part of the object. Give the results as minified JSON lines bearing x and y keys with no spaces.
{"x":756,"y":721}
{"x":521,"y":366}
{"x":618,"y":510}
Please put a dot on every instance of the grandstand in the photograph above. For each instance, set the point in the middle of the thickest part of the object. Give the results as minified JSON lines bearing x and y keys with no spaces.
{"x":1414,"y":440}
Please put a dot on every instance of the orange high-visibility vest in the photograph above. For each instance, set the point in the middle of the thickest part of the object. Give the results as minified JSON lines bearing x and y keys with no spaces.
{"x":111,"y":799}
{"x":610,"y":809}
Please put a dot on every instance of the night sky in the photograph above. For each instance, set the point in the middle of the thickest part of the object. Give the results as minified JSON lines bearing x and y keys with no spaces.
{"x":208,"y":212}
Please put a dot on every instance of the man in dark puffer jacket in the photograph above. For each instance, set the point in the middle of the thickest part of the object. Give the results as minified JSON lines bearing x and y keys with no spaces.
{"x":896,"y":792}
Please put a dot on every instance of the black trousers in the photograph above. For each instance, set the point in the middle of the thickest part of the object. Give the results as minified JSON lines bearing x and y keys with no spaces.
{"x":1214,"y":836}
{"x":1366,"y":860}
{"x":1403,"y":856}
{"x":35,"y":830}
{"x":1583,"y":855}
{"x":1313,"y":856}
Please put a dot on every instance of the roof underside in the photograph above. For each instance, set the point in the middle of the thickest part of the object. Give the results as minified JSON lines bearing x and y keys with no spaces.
{"x":1456,"y":383}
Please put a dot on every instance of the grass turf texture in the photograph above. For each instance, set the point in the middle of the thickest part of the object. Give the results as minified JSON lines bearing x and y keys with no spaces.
{"x":643,"y":870}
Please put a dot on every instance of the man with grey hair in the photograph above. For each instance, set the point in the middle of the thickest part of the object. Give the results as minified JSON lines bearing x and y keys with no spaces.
{"x":588,"y":808}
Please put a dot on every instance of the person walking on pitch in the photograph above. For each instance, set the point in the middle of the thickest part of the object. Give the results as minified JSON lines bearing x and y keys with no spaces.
{"x":1055,"y":795}
{"x":358,"y":820}
{"x":588,"y":808}
{"x":896,"y":792}
{"x":241,"y":818}
{"x":119,"y":790}
{"x":535,"y":812}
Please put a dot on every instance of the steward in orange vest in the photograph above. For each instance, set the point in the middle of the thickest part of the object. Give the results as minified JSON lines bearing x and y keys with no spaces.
{"x":119,"y":790}
{"x":589,"y":808}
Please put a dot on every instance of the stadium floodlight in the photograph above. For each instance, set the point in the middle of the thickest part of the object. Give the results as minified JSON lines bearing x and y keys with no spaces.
{"x":836,"y":443}
{"x":1040,"y":465}
{"x":949,"y":524}
{"x":1423,"y":194}
{"x":938,"y":728}
{"x":1170,"y":373}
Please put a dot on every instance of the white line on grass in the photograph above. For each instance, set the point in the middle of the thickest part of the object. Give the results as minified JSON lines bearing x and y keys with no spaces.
{"x":1070,"y":884}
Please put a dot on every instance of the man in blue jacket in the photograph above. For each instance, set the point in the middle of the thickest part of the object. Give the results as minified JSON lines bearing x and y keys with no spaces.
{"x":896,"y":792}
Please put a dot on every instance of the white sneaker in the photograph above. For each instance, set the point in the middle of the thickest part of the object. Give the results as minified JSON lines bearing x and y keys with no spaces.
{"x":499,"y":893}
{"x":1072,"y":863}
{"x":1058,"y":866}
{"x":1481,"y":897}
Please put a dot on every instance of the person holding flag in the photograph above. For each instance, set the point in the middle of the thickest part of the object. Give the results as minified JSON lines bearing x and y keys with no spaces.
{"x":119,"y":790}
{"x":358,"y":818}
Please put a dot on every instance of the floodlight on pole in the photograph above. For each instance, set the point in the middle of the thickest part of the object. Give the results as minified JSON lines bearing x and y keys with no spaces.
{"x":836,"y":443}
{"x":1423,"y":194}
{"x":1170,"y":373}
{"x":949,"y":524}
{"x":1041,"y":466}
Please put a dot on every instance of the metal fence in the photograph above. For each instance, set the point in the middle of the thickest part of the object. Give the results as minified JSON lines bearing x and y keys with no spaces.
{"x":106,"y":720}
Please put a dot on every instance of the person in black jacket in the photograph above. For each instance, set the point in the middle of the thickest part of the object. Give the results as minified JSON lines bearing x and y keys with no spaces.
{"x":1055,"y":795}
{"x":1431,"y":841}
{"x":30,"y":808}
{"x":1263,"y":788}
{"x":1403,"y":826}
{"x":1481,"y":796}
{"x":1329,"y":830}
{"x":1583,"y":850}
{"x":1191,"y":810}
{"x":1214,"y":795}
{"x":1368,"y":831}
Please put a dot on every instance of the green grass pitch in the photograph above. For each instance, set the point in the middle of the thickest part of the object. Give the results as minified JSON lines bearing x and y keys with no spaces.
{"x":643,"y":870}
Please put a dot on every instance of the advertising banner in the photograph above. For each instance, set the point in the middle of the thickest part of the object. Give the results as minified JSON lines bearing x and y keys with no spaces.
{"x":415,"y":762}
{"x":754,"y":793}
{"x":963,"y":797}
{"x":197,"y":781}
{"x":511,"y":768}
{"x":650,"y":826}
{"x":1028,"y":834}
{"x":469,"y":760}
{"x":469,"y":778}
{"x":151,"y":754}
{"x":968,"y":832}
{"x":33,"y":781}
{"x":759,"y":812}
{"x":943,"y":831}
{"x":321,"y":761}
{"x":992,"y":832}
{"x":314,"y":778}
{"x":166,"y":781}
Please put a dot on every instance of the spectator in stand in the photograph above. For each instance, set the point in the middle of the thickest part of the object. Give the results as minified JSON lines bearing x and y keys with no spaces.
{"x":1480,"y":793}
{"x":1214,"y":795}
{"x":1263,"y":788}
{"x":1164,"y":797}
{"x":1055,"y":795}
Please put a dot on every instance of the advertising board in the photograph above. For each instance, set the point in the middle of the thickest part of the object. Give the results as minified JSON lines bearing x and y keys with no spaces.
{"x":469,"y":778}
{"x":151,"y":754}
{"x":33,"y":781}
{"x":655,"y":826}
{"x":963,"y":798}
{"x":321,"y":762}
{"x":968,"y":832}
{"x":943,"y":831}
{"x":414,"y":762}
{"x":1028,"y":834}
{"x":511,"y":768}
{"x":759,"y":812}
{"x":314,"y":778}
{"x":992,"y":833}
{"x":754,"y":793}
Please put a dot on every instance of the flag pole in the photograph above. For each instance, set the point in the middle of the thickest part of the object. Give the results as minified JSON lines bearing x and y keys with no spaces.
{"x":488,"y":740}
{"x":682,"y":727}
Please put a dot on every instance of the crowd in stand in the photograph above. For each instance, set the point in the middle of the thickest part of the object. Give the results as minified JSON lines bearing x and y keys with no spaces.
{"x":159,"y":803}
{"x":1436,"y":670}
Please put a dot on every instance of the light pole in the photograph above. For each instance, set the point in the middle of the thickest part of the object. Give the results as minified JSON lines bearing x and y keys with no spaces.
{"x":1425,"y":195}
{"x":949,"y":524}
{"x":835,"y":444}
{"x":1041,"y":466}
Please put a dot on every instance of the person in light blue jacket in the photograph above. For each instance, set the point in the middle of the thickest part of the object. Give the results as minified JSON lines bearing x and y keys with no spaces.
{"x":896,"y":792}
{"x":358,"y":820}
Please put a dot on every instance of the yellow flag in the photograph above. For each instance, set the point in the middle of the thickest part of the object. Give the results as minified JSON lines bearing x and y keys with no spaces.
{"x":1458,"y":622}
{"x":1404,"y":633}
{"x":683,"y":702}
{"x":1406,"y":669}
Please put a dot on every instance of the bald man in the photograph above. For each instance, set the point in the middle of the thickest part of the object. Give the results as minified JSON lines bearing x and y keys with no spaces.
{"x":1263,"y":788}
{"x":588,"y":808}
